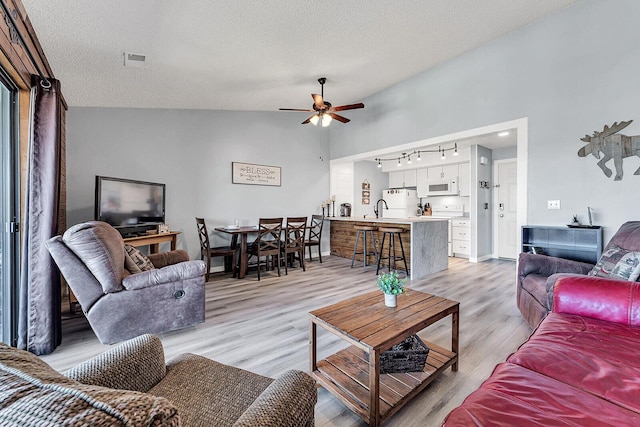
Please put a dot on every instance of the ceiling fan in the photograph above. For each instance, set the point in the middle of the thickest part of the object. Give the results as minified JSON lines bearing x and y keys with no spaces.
{"x":323,"y":109}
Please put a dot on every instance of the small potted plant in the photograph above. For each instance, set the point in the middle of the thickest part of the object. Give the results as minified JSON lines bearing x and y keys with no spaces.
{"x":575,"y":220}
{"x":392,"y":286}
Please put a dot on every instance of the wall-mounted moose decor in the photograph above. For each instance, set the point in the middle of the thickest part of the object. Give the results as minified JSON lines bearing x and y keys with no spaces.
{"x":612,"y":146}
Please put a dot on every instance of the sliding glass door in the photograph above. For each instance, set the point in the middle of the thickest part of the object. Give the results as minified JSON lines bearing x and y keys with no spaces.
{"x":9,"y":213}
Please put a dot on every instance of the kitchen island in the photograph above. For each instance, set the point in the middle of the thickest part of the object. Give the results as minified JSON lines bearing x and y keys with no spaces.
{"x":424,"y":241}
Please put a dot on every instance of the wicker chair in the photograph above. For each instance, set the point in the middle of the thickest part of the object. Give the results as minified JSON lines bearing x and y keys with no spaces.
{"x":131,"y":385}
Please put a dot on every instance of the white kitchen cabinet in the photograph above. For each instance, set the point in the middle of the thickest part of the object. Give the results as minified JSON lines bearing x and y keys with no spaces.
{"x":402,"y":179}
{"x":396,"y":179}
{"x":464,"y":186}
{"x":422,"y":177}
{"x":444,"y":172}
{"x":461,"y":237}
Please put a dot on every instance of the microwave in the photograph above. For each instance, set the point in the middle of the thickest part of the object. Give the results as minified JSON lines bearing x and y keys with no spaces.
{"x":442,"y":187}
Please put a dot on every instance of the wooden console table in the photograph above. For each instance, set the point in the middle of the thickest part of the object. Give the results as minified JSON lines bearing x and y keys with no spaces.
{"x":353,"y":375}
{"x":154,"y":240}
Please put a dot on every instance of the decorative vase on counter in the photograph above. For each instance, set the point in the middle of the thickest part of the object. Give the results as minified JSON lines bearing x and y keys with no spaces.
{"x":390,"y":300}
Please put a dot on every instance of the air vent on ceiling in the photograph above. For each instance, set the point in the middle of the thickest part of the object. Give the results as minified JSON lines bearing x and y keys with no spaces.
{"x":136,"y":60}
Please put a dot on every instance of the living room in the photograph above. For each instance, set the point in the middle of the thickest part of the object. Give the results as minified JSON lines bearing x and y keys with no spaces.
{"x":565,"y":75}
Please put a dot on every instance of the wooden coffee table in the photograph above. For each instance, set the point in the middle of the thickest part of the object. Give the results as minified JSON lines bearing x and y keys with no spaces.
{"x":353,"y":374}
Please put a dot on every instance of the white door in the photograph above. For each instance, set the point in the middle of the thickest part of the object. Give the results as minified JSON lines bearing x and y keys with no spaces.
{"x":505,"y":210}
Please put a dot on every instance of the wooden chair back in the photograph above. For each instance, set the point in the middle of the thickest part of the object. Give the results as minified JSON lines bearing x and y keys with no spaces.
{"x":295,"y":231}
{"x":315,"y":228}
{"x":203,"y":235}
{"x":269,"y":235}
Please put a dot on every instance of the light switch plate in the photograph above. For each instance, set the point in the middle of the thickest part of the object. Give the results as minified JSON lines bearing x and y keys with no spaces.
{"x":553,"y":204}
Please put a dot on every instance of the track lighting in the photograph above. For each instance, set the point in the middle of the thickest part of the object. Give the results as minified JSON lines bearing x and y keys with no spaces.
{"x":442,"y":152}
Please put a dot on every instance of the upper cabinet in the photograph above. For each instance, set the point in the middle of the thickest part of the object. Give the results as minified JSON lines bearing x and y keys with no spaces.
{"x":463,"y":180}
{"x":402,"y":179}
{"x":444,"y":172}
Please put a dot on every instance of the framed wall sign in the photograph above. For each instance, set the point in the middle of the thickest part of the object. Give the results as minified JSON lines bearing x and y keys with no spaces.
{"x":247,"y":173}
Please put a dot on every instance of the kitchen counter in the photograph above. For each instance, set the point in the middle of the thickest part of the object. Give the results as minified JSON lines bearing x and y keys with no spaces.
{"x":425,"y":241}
{"x":410,"y":220}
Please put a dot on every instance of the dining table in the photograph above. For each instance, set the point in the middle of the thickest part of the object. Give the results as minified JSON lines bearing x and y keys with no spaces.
{"x":242,"y":231}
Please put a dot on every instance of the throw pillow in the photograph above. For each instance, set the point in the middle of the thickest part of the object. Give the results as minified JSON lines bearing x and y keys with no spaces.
{"x":628,"y":268}
{"x":618,"y":263}
{"x":136,"y":261}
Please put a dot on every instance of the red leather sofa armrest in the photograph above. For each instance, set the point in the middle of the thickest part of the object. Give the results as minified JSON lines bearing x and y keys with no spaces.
{"x":604,"y":299}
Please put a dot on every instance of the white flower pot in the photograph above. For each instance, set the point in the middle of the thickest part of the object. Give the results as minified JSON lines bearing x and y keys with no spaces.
{"x":390,"y":300}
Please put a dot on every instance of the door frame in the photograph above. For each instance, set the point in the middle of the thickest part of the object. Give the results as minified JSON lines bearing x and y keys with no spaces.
{"x":494,"y":224}
{"x":10,"y":193}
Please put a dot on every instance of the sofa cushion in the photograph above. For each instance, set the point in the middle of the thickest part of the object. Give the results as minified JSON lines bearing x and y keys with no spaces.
{"x":570,"y":349}
{"x":618,"y":263}
{"x":32,"y":393}
{"x":229,"y":391}
{"x":517,"y":396}
{"x":101,"y":248}
{"x":135,"y":261}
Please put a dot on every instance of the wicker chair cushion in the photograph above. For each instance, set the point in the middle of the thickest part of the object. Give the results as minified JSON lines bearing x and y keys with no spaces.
{"x":32,"y":393}
{"x":218,"y":394}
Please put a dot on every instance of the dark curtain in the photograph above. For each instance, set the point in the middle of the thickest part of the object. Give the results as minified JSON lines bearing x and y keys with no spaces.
{"x":39,"y":321}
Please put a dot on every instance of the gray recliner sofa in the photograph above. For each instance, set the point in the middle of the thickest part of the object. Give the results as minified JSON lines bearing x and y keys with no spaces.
{"x":119,"y":304}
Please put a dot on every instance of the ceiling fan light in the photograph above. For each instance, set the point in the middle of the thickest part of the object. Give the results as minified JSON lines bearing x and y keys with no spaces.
{"x":326,"y":120}
{"x":314,"y":119}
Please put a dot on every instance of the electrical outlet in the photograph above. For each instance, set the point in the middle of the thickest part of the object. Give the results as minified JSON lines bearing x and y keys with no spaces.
{"x":553,"y":204}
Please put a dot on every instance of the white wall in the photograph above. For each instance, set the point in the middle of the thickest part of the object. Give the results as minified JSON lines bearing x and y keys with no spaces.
{"x":569,"y":74}
{"x":191,"y":152}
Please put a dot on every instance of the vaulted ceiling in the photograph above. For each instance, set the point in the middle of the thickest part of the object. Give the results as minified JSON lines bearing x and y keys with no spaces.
{"x":260,"y":54}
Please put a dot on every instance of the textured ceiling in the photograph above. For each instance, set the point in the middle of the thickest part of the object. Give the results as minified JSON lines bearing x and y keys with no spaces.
{"x":259,"y":54}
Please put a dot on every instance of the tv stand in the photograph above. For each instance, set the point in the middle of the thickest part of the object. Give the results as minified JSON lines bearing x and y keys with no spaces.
{"x":154,"y":240}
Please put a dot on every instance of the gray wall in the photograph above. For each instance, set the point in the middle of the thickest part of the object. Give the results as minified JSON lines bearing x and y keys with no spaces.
{"x":379,"y":181}
{"x":191,"y":152}
{"x":570,"y":74}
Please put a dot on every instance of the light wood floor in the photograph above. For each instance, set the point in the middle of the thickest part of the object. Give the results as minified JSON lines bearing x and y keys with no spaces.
{"x":263,"y":327}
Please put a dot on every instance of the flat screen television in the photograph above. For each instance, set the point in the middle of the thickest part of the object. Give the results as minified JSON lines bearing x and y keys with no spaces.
{"x":132,"y":207}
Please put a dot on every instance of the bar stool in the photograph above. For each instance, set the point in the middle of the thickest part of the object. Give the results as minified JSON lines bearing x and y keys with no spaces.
{"x":364,"y":230}
{"x":392,"y":257}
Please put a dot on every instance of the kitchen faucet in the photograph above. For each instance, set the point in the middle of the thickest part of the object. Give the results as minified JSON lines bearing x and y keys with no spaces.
{"x":376,"y":208}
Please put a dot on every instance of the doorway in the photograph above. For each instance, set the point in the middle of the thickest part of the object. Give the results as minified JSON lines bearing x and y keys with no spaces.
{"x":505,"y":208}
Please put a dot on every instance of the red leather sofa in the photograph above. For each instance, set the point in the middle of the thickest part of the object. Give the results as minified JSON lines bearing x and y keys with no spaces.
{"x":581,"y":366}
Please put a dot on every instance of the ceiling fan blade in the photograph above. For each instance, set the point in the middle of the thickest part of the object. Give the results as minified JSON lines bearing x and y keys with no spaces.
{"x":308,"y":119}
{"x":295,"y":109}
{"x":339,"y":118}
{"x":348,"y":107}
{"x":318,"y":101}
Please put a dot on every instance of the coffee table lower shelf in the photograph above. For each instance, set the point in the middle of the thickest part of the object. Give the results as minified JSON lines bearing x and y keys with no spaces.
{"x":346,"y":375}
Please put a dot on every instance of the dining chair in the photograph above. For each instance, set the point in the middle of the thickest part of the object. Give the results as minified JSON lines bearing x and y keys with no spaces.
{"x":207,"y":252}
{"x":268,"y":242}
{"x":294,"y":237}
{"x":315,"y":234}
